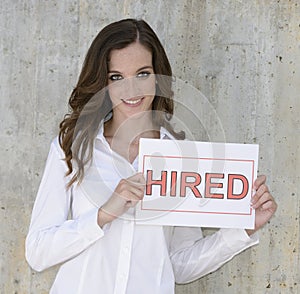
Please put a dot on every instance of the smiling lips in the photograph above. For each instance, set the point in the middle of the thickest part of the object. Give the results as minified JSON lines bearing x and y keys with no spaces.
{"x":133,"y":102}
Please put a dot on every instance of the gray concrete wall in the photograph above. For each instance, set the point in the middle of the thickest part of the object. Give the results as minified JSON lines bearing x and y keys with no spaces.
{"x":243,"y":55}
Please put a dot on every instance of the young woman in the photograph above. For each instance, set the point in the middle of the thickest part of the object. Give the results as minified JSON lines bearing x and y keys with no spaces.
{"x":84,"y":220}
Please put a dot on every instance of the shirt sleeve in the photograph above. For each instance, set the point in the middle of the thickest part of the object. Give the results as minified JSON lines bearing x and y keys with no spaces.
{"x":194,"y":256}
{"x":52,"y":238}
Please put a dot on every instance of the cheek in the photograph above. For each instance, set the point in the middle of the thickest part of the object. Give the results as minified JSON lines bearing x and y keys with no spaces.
{"x":115,"y":93}
{"x":148,"y":102}
{"x":148,"y":86}
{"x":130,"y":88}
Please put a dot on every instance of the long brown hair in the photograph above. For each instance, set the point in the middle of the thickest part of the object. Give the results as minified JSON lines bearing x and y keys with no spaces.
{"x":90,"y":103}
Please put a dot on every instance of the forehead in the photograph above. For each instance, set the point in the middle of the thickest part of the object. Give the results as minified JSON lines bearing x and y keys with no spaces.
{"x":134,"y":55}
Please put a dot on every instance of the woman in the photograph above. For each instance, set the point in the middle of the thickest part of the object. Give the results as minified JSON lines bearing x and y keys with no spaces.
{"x":120,"y":97}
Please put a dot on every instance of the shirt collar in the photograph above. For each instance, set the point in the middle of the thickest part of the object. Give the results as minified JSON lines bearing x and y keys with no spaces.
{"x":100,"y":134}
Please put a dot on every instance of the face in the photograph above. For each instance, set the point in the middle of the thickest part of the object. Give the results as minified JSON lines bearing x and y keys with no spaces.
{"x":131,"y":81}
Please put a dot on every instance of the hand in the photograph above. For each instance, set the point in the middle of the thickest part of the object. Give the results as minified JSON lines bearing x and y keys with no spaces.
{"x":127,"y":194}
{"x":263,"y":203}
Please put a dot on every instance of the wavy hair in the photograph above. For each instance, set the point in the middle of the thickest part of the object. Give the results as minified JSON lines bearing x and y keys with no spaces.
{"x":89,"y":103}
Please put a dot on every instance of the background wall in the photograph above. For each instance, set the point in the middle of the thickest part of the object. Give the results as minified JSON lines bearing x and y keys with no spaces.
{"x":243,"y":55}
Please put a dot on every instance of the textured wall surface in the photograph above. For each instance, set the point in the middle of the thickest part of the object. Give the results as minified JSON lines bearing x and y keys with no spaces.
{"x":243,"y":55}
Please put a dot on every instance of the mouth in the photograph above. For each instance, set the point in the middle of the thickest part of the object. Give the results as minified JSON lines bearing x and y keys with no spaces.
{"x":133,"y":102}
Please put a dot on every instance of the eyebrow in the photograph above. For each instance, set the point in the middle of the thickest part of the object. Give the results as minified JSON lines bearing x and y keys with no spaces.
{"x":142,"y":68}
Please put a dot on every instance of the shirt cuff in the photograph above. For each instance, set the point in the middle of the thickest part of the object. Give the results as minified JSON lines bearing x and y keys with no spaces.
{"x":238,"y":239}
{"x":88,"y":225}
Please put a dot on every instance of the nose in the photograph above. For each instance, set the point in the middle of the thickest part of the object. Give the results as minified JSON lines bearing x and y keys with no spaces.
{"x":131,"y":88}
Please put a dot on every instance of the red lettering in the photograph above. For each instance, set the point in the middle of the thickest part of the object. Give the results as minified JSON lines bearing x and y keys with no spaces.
{"x":173,"y":183}
{"x":209,"y":185}
{"x":192,"y":185}
{"x":243,"y":179}
{"x":162,"y":183}
{"x":192,"y":180}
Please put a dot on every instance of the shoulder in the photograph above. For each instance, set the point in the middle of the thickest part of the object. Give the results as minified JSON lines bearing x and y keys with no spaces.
{"x":56,"y":148}
{"x":167,"y":131}
{"x":165,"y":134}
{"x":170,"y":134}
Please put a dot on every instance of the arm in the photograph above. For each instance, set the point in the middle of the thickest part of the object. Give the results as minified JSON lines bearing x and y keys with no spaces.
{"x":52,"y":238}
{"x":193,"y":256}
{"x":199,"y":256}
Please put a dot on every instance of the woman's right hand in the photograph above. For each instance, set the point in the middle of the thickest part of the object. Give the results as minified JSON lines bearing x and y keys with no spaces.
{"x":127,"y":194}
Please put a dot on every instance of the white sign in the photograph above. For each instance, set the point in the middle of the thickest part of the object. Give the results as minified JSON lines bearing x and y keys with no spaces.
{"x":197,"y":183}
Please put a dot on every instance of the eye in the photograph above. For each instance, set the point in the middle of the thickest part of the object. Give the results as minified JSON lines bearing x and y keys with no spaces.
{"x":143,"y":74}
{"x":115,"y":77}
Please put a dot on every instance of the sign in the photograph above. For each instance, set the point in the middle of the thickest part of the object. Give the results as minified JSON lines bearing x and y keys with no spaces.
{"x":197,"y":183}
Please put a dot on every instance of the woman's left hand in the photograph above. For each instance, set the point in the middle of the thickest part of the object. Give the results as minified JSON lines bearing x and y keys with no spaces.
{"x":263,"y":203}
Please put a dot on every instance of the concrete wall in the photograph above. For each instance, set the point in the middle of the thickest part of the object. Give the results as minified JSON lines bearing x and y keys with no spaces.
{"x":243,"y":55}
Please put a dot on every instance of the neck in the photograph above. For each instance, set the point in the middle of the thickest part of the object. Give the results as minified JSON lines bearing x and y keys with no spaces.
{"x":130,"y":130}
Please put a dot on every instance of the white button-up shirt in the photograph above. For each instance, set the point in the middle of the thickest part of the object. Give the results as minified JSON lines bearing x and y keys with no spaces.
{"x":122,"y":257}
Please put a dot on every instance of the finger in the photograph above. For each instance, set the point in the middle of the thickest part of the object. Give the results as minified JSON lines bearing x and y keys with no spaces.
{"x":140,"y":186}
{"x":137,"y":178}
{"x":269,"y":205}
{"x":135,"y":193}
{"x":259,"y":181}
{"x":131,"y":203}
{"x":136,"y":186}
{"x":261,"y":190}
{"x":262,"y":200}
{"x":126,"y":184}
{"x":131,"y":193}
